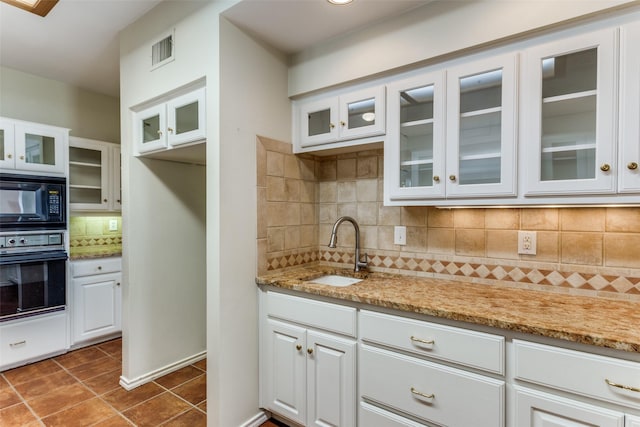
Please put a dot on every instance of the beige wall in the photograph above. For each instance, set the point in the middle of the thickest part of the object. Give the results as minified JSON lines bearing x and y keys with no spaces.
{"x":428,"y":33}
{"x":36,"y":99}
{"x":591,"y":251}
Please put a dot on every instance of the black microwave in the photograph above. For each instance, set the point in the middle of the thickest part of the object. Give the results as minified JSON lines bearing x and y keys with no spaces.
{"x":29,"y":202}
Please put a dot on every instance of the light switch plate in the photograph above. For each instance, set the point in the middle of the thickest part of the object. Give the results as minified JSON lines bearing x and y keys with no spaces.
{"x":113,"y":225}
{"x":400,"y":235}
{"x":527,"y":242}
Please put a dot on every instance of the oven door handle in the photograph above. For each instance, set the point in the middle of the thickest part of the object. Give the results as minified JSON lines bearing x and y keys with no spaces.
{"x":34,"y":257}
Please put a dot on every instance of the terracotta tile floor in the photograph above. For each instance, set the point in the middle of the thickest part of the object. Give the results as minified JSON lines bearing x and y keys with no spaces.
{"x":81,"y":388}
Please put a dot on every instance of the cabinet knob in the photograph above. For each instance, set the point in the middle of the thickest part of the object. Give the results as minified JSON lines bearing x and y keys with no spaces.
{"x":298,"y":347}
{"x":331,"y":125}
{"x":342,"y":123}
{"x":21,"y":157}
{"x":159,"y":133}
{"x":105,"y":200}
{"x":605,"y":167}
{"x":452,"y":178}
{"x":170,"y":130}
{"x":99,"y":267}
{"x":9,"y":156}
{"x":310,"y":350}
{"x":436,"y":178}
{"x":117,"y":283}
{"x":118,"y":201}
{"x":632,"y":166}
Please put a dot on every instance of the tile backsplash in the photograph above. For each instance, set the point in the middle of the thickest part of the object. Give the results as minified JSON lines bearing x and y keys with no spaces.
{"x":89,"y":236}
{"x":589,"y":251}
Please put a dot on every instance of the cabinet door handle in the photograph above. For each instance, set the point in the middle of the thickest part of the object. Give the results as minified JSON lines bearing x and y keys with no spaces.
{"x":452,"y":178}
{"x":622,"y":386}
{"x":117,"y":283}
{"x":99,"y":267}
{"x":105,"y":200}
{"x":331,"y":125}
{"x":159,"y":133}
{"x":419,"y":393}
{"x":342,"y":123}
{"x":631,"y":166}
{"x":420,"y":340}
{"x":436,"y":178}
{"x":605,"y":167}
{"x":298,"y":347}
{"x":310,"y":350}
{"x":15,"y":344}
{"x":170,"y":130}
{"x":9,"y":156}
{"x":21,"y":157}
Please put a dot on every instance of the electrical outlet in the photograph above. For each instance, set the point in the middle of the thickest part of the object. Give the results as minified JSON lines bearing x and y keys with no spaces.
{"x":527,"y":242}
{"x":113,"y":225}
{"x":400,"y":235}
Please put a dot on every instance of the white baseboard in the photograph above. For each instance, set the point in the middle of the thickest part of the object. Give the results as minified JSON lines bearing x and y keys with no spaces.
{"x":131,"y":383}
{"x":256,"y":420}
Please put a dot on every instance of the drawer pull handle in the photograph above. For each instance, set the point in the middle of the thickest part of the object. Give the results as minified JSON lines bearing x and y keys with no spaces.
{"x":419,"y":393}
{"x":622,"y":386}
{"x":298,"y":347}
{"x":420,"y":340}
{"x":15,"y":344}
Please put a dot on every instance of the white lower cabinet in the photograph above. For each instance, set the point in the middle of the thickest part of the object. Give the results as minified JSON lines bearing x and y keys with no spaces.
{"x":97,"y":299}
{"x":308,"y":375}
{"x":27,"y":340}
{"x":632,"y":421}
{"x":537,"y":409}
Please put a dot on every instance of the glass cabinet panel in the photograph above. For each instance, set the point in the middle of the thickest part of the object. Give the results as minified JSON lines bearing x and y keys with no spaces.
{"x":361,"y":113}
{"x":416,"y":137}
{"x":569,"y":84}
{"x":480,"y":128}
{"x":85,"y":175}
{"x":2,"y":144}
{"x":319,"y":122}
{"x":40,"y":149}
{"x":187,"y":118}
{"x":150,"y":129}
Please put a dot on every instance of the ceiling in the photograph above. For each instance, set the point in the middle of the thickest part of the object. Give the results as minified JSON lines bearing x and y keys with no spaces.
{"x":77,"y":42}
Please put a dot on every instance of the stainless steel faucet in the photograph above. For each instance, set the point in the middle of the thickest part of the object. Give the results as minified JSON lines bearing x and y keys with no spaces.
{"x":334,"y":239}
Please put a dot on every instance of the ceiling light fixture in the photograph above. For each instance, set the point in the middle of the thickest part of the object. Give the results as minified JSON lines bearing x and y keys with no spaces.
{"x":39,"y":7}
{"x":339,"y":2}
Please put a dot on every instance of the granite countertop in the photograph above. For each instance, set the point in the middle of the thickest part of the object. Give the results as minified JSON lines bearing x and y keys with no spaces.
{"x":595,"y":321}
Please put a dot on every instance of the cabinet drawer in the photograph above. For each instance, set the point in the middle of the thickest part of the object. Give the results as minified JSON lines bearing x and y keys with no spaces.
{"x":577,"y":372}
{"x":90,"y":267}
{"x":469,"y":348}
{"x":371,"y":415}
{"x":459,"y":398}
{"x":323,"y":315}
{"x":28,"y":340}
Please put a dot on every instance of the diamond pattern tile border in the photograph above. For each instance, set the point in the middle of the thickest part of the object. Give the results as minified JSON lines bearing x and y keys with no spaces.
{"x":518,"y":275}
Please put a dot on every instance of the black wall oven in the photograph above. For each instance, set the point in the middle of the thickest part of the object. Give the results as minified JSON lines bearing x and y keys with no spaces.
{"x":30,"y":202}
{"x":33,"y":274}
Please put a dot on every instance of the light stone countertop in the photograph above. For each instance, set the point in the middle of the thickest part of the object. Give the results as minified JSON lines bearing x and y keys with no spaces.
{"x":595,"y":321}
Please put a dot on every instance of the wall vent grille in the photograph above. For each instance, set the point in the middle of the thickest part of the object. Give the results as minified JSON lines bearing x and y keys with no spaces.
{"x":162,"y":51}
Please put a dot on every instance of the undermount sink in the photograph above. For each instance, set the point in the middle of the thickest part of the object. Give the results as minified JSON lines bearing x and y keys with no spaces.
{"x":335,"y":280}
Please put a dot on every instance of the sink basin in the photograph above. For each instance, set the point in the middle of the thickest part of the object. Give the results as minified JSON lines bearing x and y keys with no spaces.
{"x":335,"y":280}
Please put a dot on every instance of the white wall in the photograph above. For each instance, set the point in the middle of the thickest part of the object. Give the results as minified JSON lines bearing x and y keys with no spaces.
{"x":253,"y":100}
{"x":426,"y":34}
{"x":33,"y":98}
{"x":164,"y":204}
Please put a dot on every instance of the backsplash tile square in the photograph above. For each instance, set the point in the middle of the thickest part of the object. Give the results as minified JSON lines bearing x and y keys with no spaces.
{"x":586,"y":251}
{"x":89,"y":236}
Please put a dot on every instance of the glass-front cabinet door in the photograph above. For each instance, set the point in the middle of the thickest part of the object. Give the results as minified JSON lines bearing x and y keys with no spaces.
{"x":569,"y":112}
{"x":186,"y":118}
{"x":39,"y":148}
{"x":88,"y":175}
{"x":629,"y":169}
{"x":7,"y":153}
{"x":414,"y":148}
{"x":481,"y":130}
{"x":319,"y":122}
{"x":362,"y":113}
{"x":151,"y":128}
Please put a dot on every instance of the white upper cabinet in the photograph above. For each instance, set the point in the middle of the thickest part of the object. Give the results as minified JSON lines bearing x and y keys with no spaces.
{"x":179,"y":120}
{"x":414,"y":149}
{"x":629,"y":172}
{"x":569,"y":113}
{"x":94,"y":175}
{"x":320,"y":123}
{"x":32,"y":147}
{"x":481,"y":128}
